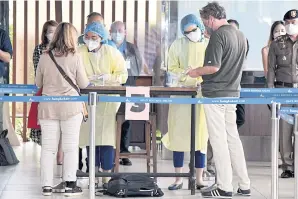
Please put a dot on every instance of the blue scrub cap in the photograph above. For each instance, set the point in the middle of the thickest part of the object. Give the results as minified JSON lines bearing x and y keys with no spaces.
{"x":97,"y":28}
{"x":191,"y":20}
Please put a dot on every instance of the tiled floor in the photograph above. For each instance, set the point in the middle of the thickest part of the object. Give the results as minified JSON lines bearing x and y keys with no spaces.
{"x":23,"y":181}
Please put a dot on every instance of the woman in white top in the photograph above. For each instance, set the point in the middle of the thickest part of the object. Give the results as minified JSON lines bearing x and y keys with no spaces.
{"x":277,"y":29}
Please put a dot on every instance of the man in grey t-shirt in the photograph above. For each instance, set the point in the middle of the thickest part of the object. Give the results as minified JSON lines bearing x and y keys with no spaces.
{"x":222,"y":70}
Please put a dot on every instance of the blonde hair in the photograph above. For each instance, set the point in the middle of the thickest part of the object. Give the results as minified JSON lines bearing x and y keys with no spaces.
{"x":64,"y":40}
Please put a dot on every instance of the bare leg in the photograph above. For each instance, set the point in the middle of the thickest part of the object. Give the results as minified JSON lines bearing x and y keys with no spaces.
{"x":178,"y":180}
{"x":106,"y":179}
{"x":199,"y":176}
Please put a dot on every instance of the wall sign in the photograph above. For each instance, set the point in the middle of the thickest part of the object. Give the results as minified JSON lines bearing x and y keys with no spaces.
{"x":137,"y":111}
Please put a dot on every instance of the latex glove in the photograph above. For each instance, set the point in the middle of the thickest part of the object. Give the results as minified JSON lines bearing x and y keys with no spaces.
{"x":95,"y":77}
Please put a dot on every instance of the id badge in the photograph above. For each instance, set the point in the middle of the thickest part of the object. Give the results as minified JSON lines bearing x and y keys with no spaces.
{"x":127,"y":64}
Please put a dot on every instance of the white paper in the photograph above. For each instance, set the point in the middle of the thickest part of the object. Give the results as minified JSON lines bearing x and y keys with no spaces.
{"x":135,"y":111}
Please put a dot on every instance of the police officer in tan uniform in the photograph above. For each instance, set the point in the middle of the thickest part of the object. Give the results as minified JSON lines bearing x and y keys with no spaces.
{"x":283,"y":73}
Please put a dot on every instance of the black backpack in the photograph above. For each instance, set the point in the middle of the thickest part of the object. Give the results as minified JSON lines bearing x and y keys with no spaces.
{"x":133,"y":186}
{"x":7,"y":155}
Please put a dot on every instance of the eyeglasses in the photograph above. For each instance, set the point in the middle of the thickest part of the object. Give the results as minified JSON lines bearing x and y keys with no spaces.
{"x":187,"y":32}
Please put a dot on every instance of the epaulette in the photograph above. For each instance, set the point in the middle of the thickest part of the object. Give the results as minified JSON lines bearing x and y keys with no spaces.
{"x":282,"y":38}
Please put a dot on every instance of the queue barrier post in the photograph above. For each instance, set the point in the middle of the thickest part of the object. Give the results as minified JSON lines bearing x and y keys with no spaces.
{"x":92,"y":98}
{"x":250,"y":96}
{"x":274,"y":150}
{"x":295,"y":154}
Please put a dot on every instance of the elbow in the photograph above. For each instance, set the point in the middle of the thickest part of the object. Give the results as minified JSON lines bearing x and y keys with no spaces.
{"x":38,"y":82}
{"x":124,"y":79}
{"x":83,"y":86}
{"x":214,"y":70}
{"x":7,"y":59}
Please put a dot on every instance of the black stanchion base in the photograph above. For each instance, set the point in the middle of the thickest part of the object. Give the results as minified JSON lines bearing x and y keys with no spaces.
{"x":192,"y":185}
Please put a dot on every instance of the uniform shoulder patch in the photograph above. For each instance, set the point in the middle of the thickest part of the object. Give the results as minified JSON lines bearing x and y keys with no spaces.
{"x":282,"y":38}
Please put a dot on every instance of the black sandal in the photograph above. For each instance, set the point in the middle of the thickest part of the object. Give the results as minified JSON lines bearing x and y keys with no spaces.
{"x":199,"y":186}
{"x":174,"y":187}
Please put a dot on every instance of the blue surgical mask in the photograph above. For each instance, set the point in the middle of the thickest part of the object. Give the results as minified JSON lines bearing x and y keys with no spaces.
{"x":117,"y":37}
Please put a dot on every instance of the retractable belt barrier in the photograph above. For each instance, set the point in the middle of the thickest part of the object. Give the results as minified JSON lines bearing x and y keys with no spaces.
{"x":275,"y":97}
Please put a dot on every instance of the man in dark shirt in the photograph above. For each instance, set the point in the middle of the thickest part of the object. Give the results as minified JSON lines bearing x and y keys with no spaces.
{"x":240,"y":112}
{"x":222,"y":70}
{"x":5,"y":57}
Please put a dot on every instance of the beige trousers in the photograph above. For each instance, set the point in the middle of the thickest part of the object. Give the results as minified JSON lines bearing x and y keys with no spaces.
{"x":226,"y":144}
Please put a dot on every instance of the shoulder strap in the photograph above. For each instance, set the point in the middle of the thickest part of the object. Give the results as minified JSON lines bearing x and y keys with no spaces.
{"x":63,"y":73}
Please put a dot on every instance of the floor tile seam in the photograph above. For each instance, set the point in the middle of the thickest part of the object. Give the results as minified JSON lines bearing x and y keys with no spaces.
{"x":6,"y":183}
{"x":259,"y":192}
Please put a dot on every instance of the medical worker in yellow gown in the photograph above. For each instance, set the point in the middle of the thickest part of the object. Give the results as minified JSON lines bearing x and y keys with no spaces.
{"x":104,"y":65}
{"x":184,"y":52}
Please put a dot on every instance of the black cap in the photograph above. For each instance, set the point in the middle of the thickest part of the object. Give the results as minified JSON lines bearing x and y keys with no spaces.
{"x":291,"y":14}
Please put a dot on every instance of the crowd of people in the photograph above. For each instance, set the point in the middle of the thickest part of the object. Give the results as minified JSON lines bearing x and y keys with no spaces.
{"x":210,"y":55}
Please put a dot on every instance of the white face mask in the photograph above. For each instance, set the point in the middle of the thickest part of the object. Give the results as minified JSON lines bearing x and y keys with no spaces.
{"x":92,"y":45}
{"x":195,"y":36}
{"x":50,"y":36}
{"x":292,"y":29}
{"x":117,"y":37}
{"x":277,"y":34}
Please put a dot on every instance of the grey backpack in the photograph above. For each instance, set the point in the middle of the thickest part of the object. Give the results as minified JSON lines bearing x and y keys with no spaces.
{"x":7,"y":155}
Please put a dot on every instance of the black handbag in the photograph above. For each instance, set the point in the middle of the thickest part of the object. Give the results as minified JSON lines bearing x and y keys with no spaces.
{"x":7,"y":155}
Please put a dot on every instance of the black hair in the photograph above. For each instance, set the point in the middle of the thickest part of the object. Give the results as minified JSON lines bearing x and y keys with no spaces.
{"x":213,"y":9}
{"x":276,"y":23}
{"x":94,"y":14}
{"x":234,"y":21}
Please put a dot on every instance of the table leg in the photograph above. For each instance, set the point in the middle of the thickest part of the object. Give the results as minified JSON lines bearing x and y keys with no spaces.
{"x":118,"y":143}
{"x":154,"y":147}
{"x":148,"y":141}
{"x":192,"y":180}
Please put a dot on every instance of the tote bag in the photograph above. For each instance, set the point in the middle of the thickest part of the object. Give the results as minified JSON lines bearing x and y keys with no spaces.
{"x":7,"y":155}
{"x":33,"y":113}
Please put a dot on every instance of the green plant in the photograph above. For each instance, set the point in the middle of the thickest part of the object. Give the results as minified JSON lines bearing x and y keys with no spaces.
{"x":19,"y":126}
{"x":11,"y":32}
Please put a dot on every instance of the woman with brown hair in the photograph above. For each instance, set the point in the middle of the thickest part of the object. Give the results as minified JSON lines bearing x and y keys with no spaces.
{"x":61,"y":117}
{"x":277,"y":29}
{"x":48,"y":30}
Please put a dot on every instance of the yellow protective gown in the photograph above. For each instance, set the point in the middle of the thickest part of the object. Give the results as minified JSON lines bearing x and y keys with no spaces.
{"x":183,"y":54}
{"x":108,"y":60}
